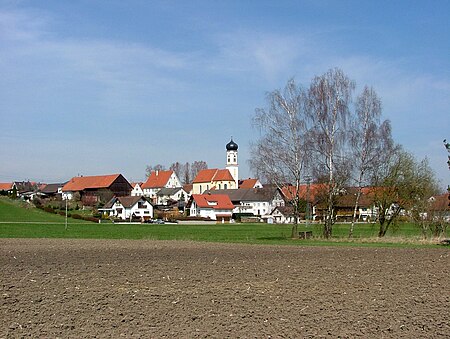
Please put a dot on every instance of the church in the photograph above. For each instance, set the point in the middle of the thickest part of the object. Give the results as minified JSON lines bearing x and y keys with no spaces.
{"x":228,"y":178}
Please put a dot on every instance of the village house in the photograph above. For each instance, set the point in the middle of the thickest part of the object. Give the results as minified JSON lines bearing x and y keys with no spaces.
{"x":137,"y":189}
{"x":52,"y":190}
{"x":8,"y":188}
{"x":128,"y":208}
{"x":250,"y":183}
{"x":215,"y":207}
{"x":253,"y":201}
{"x":310,"y":194}
{"x":283,"y":215}
{"x":177,"y":194}
{"x":158,"y":180}
{"x":314,"y":196}
{"x":95,"y":189}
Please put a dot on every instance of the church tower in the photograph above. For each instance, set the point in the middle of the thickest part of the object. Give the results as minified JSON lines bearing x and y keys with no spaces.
{"x":232,"y":160}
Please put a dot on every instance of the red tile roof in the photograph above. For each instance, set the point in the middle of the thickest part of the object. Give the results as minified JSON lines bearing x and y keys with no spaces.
{"x":314,"y":191}
{"x":223,"y":175}
{"x":248,"y":183}
{"x":213,"y":174}
{"x":205,"y":175}
{"x":217,"y":202}
{"x":97,"y":181}
{"x":440,"y":203}
{"x":6,"y":186}
{"x":157,"y":179}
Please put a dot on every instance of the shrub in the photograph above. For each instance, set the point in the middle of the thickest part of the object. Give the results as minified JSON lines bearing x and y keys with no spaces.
{"x":49,"y":209}
{"x":77,"y":216}
{"x":91,"y":219}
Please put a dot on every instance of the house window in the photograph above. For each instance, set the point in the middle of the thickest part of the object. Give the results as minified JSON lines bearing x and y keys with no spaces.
{"x":225,"y":186}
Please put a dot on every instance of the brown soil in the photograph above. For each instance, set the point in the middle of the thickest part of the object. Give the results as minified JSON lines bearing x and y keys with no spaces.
{"x":155,"y":289}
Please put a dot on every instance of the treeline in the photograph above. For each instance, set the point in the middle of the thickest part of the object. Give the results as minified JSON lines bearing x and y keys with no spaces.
{"x":186,"y":172}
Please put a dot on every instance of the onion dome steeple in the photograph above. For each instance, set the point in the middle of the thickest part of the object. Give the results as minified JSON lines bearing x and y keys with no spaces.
{"x":232,"y":146}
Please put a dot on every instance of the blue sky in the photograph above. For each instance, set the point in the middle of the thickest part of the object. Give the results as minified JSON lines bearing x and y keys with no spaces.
{"x":99,"y":87}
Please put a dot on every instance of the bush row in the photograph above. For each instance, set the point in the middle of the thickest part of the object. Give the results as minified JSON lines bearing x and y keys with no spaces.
{"x":73,"y":216}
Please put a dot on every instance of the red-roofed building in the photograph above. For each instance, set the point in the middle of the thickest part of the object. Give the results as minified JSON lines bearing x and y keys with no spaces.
{"x":215,"y":207}
{"x":128,"y":208}
{"x":99,"y":188}
{"x":8,"y":188}
{"x":159,"y":180}
{"x":250,"y":183}
{"x":213,"y":179}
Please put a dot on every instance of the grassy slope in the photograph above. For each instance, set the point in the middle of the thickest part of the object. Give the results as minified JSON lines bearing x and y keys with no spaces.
{"x":19,"y":220}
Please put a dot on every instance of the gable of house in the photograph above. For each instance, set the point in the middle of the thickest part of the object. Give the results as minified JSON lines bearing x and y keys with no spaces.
{"x":160,"y":179}
{"x":137,"y":189}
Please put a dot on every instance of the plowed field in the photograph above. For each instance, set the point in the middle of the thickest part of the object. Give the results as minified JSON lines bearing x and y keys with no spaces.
{"x":155,"y":289}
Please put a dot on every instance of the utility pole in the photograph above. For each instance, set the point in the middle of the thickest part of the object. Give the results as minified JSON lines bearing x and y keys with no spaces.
{"x":65,"y":227}
{"x":308,"y":181}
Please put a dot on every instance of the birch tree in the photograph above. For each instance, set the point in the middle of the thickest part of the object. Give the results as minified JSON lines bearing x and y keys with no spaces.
{"x":280,"y":154}
{"x":328,"y":106}
{"x":369,"y":139}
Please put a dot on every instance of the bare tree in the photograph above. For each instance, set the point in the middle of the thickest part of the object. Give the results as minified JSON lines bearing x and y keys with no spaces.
{"x":197,"y":166}
{"x":178,"y":168}
{"x":149,"y":169}
{"x":279,"y":156}
{"x":329,"y":97}
{"x":186,"y":177}
{"x":447,"y":146}
{"x":423,"y":188}
{"x":369,"y":139}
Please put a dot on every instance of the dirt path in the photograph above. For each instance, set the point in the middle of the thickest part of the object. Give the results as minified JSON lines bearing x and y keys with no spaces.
{"x":150,"y":289}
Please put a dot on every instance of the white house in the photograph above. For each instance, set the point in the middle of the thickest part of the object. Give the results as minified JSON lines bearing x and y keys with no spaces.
{"x":283,"y":215}
{"x":172,"y":194}
{"x":215,"y":207}
{"x":256,"y":201}
{"x":126,"y":208}
{"x":137,"y":189}
{"x":158,"y":180}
